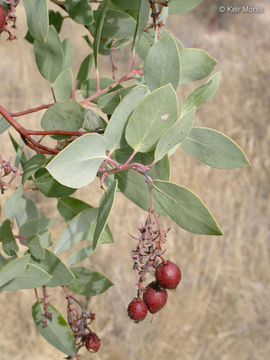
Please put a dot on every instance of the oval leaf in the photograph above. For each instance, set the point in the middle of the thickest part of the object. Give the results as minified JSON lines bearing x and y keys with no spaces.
{"x":175,"y":135}
{"x":88,"y":282}
{"x":68,"y":53}
{"x":63,"y":86}
{"x":84,"y":70}
{"x":37,"y":18}
{"x":12,"y":269}
{"x":214,"y":149}
{"x":196,"y":64}
{"x":78,"y":163}
{"x":49,"y":55}
{"x":76,"y":230}
{"x":182,"y":6}
{"x":57,"y":333}
{"x":69,"y":207}
{"x":185,"y":208}
{"x":7,"y":239}
{"x":153,"y":116}
{"x":80,"y":11}
{"x":104,"y":212}
{"x":162,"y":64}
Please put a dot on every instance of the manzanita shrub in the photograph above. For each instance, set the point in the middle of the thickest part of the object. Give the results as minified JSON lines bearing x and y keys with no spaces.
{"x":122,"y":134}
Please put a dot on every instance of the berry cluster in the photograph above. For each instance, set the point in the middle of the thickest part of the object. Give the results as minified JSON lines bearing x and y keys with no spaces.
{"x":146,"y":257}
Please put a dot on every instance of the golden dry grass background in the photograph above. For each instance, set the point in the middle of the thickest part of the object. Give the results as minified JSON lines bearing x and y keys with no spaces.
{"x":221,"y":310}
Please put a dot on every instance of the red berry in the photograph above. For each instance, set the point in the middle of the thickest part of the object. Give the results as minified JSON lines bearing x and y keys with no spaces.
{"x":168,"y":275}
{"x":154,"y":297}
{"x":92,"y":342}
{"x":137,"y":310}
{"x":2,"y":17}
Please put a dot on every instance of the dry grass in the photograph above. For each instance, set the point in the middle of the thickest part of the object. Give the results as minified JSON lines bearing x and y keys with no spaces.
{"x":221,"y":311}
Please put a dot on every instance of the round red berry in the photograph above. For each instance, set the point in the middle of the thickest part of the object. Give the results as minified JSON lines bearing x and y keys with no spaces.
{"x":137,"y":310}
{"x":154,"y":297}
{"x":168,"y":275}
{"x":92,"y":342}
{"x":2,"y":17}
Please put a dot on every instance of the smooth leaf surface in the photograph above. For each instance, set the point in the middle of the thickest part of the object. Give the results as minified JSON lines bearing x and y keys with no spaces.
{"x":61,"y":274}
{"x":56,"y":19}
{"x":142,"y":17}
{"x":93,"y":122}
{"x":35,"y":247}
{"x":114,"y":133}
{"x":80,"y":11}
{"x":49,"y":186}
{"x":35,"y":226}
{"x":13,"y":202}
{"x":80,"y":255}
{"x":57,"y":333}
{"x":63,"y":86}
{"x":13,"y":268}
{"x":32,"y":165}
{"x":214,"y":149}
{"x":162,"y":64}
{"x":7,"y":239}
{"x":104,"y":210}
{"x":89,"y":87}
{"x":182,"y":6}
{"x":4,"y":124}
{"x":185,"y":208}
{"x":84,"y":69}
{"x":77,"y":164}
{"x":201,"y":94}
{"x":175,"y":135}
{"x":67,"y":53}
{"x":153,"y":116}
{"x":32,"y":277}
{"x":26,"y":212}
{"x":196,"y":64}
{"x":37,"y":18}
{"x":76,"y":229}
{"x":49,"y":55}
{"x":69,"y":207}
{"x":88,"y":282}
{"x":68,"y":116}
{"x":99,"y":22}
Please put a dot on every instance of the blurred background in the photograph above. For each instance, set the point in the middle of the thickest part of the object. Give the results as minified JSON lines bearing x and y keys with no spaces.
{"x":221,"y":309}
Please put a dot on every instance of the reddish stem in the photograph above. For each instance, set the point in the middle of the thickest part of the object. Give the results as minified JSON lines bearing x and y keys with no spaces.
{"x":29,"y":111}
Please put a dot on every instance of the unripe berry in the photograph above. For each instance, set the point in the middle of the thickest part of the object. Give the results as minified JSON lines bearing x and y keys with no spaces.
{"x":2,"y":17}
{"x":137,"y":310}
{"x":168,"y":275}
{"x":92,"y":342}
{"x":154,"y":297}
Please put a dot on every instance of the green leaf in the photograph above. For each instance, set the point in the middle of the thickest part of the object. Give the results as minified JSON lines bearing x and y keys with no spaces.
{"x":61,"y":274}
{"x":19,"y":153}
{"x":88,"y":282}
{"x":32,"y":165}
{"x":80,"y":11}
{"x":80,"y":255}
{"x":154,"y":115}
{"x":13,"y":203}
{"x":124,"y":4}
{"x":57,"y":333}
{"x":105,"y":238}
{"x":182,"y":6}
{"x":104,"y":210}
{"x":49,"y":55}
{"x":23,"y":158}
{"x":117,"y":24}
{"x":175,"y":135}
{"x":32,"y":277}
{"x":63,"y":86}
{"x":37,"y":18}
{"x":12,"y":269}
{"x":77,"y":164}
{"x":162,"y":64}
{"x":35,"y":247}
{"x":185,"y":208}
{"x":7,"y":239}
{"x":109,"y":101}
{"x":26,"y":211}
{"x":99,"y":22}
{"x":142,"y":17}
{"x":69,"y":207}
{"x":89,"y":87}
{"x":45,"y":239}
{"x":201,"y":94}
{"x":196,"y":64}
{"x":114,"y":133}
{"x":68,"y":116}
{"x":76,"y":230}
{"x":145,"y":43}
{"x":68,"y":53}
{"x":133,"y":185}
{"x":84,"y":70}
{"x":49,"y":186}
{"x":4,"y":124}
{"x":36,"y":226}
{"x":93,"y":122}
{"x":56,"y":19}
{"x":214,"y":149}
